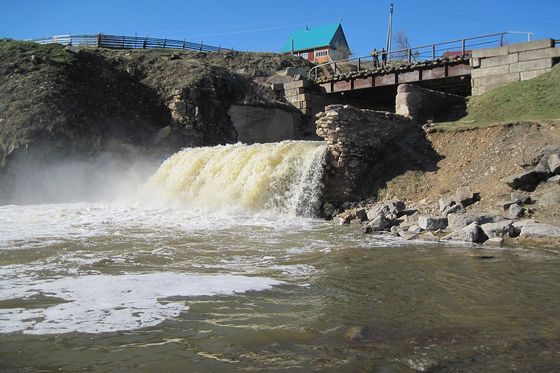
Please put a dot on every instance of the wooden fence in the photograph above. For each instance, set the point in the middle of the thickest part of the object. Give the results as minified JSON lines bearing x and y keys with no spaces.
{"x":127,"y":42}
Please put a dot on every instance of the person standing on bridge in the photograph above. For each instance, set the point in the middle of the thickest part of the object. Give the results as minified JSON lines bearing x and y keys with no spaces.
{"x":383,"y":57}
{"x":375,"y":56}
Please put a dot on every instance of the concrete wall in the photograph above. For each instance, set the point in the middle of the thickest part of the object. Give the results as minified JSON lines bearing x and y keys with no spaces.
{"x":495,"y":67}
{"x":262,"y":124}
{"x":422,"y":104}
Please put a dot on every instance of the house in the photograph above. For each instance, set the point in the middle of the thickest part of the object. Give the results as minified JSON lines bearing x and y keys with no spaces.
{"x":319,"y":44}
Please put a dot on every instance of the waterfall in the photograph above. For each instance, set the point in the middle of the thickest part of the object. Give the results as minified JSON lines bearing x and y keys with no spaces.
{"x":285,"y":177}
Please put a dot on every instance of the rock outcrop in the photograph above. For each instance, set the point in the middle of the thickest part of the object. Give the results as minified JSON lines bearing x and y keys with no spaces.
{"x":73,"y":103}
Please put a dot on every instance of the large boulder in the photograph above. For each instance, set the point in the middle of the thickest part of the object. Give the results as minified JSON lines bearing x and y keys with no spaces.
{"x":458,"y":221}
{"x":377,"y":225}
{"x":550,"y":197}
{"x":526,"y":180}
{"x":393,"y":208}
{"x":470,"y":233}
{"x":432,"y":223}
{"x":515,"y":211}
{"x":539,"y":230}
{"x":499,"y":229}
{"x":462,"y":197}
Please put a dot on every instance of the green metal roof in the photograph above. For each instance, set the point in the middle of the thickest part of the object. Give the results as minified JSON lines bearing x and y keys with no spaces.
{"x":311,"y":37}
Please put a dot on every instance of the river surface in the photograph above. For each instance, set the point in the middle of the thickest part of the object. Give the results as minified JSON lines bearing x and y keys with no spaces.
{"x":102,"y":287}
{"x":212,"y":266}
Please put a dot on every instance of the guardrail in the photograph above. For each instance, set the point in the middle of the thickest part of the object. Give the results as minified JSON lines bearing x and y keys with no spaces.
{"x":444,"y":49}
{"x":127,"y":42}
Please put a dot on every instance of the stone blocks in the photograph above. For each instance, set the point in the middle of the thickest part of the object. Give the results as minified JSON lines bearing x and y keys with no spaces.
{"x":494,"y":67}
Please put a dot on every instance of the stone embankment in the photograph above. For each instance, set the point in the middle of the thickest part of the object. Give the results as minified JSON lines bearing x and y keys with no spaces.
{"x":458,"y":218}
{"x":355,"y":140}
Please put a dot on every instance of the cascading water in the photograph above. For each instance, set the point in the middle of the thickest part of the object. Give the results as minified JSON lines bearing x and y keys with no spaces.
{"x":284,"y":177}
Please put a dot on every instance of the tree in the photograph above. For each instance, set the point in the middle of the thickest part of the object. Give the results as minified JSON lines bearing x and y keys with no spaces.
{"x":400,"y":43}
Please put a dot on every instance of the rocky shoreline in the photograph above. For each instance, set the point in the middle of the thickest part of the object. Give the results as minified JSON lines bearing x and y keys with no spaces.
{"x":459,"y":215}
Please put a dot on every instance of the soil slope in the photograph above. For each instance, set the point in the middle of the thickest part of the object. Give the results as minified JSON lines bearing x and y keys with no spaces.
{"x":478,"y":158}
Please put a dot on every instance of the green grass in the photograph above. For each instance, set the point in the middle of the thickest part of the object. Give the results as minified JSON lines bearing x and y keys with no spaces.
{"x":527,"y":101}
{"x":54,"y":52}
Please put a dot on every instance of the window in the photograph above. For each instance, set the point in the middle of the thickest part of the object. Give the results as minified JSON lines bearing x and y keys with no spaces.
{"x":322,"y":53}
{"x":304,"y":55}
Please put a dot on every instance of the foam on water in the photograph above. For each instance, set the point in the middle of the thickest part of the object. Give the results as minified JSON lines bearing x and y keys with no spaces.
{"x":107,"y":303}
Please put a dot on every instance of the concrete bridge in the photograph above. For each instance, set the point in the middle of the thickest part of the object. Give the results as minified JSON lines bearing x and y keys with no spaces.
{"x":464,"y":72}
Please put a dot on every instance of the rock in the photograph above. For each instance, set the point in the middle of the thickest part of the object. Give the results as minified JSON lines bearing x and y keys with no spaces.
{"x":550,"y":198}
{"x":428,"y":236}
{"x":499,"y":229}
{"x":505,"y":205}
{"x":465,"y":196}
{"x":494,"y":242}
{"x":516,"y":211}
{"x":386,"y":208}
{"x":445,"y":203}
{"x":395,"y":231}
{"x":521,"y":198}
{"x":455,"y":209}
{"x":532,"y":229}
{"x":432,"y":223}
{"x":458,"y":221}
{"x":542,"y":167}
{"x":554,"y":179}
{"x":361,"y":214}
{"x":164,"y":132}
{"x":518,"y":225}
{"x":414,"y":229}
{"x":553,"y":163}
{"x":470,"y":233}
{"x":352,"y":214}
{"x":329,"y":210}
{"x":376,"y":225}
{"x":527,"y":180}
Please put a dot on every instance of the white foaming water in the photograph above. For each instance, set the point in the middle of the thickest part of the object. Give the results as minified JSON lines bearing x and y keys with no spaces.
{"x":105,"y":303}
{"x":284,"y":177}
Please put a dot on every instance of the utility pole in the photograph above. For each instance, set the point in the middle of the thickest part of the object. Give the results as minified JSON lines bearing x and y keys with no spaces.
{"x":390,"y":29}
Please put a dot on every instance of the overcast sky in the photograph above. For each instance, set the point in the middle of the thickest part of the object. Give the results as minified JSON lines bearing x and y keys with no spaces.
{"x":266,"y":25}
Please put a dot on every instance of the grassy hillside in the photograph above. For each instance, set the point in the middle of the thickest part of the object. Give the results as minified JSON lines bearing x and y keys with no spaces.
{"x":526,"y":101}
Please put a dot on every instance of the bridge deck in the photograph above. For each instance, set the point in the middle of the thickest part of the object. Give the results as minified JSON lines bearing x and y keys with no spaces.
{"x":393,"y":75}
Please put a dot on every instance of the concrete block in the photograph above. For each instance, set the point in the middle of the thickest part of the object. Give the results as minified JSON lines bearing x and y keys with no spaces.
{"x":491,"y":71}
{"x":303,"y":97}
{"x":294,"y":91}
{"x":526,"y":75}
{"x":297,"y":84}
{"x":492,"y":81}
{"x":531,"y":65}
{"x":490,"y":52}
{"x":475,"y":62}
{"x":531,"y":45}
{"x":499,"y":60}
{"x":538,"y":54}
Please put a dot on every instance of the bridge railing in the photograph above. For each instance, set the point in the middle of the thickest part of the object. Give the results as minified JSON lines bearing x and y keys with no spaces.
{"x":452,"y":48}
{"x":127,"y":42}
